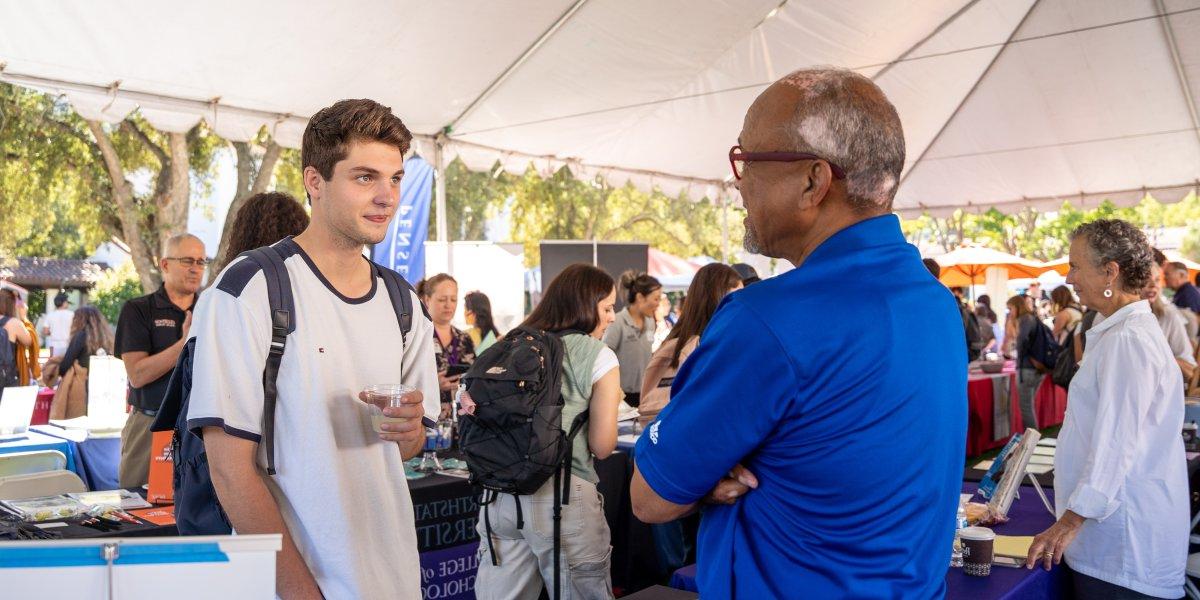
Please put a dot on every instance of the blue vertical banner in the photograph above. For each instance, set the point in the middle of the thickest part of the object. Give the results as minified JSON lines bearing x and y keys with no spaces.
{"x":403,"y":250}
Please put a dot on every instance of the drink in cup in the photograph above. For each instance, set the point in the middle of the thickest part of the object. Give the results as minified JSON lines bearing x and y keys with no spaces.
{"x":977,"y":550}
{"x":383,"y":395}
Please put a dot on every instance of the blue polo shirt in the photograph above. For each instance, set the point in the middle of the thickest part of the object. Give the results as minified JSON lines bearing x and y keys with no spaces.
{"x":842,"y":386}
{"x":1188,"y":297}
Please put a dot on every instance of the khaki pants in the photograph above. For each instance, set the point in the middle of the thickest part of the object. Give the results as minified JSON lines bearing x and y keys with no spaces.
{"x":135,"y":450}
{"x":1028,"y":382}
{"x":526,"y":555}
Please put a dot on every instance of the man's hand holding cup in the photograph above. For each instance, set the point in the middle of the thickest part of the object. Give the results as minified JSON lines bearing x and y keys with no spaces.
{"x":396,"y":412}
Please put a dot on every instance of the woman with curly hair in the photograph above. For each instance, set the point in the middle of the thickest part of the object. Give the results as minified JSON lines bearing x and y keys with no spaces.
{"x":263,"y":220}
{"x":90,"y":334}
{"x":1120,"y":478}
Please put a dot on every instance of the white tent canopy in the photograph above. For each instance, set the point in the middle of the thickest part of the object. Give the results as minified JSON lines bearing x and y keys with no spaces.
{"x":1005,"y":103}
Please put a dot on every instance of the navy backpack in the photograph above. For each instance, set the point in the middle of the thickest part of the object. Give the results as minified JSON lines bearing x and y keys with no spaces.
{"x":197,"y":508}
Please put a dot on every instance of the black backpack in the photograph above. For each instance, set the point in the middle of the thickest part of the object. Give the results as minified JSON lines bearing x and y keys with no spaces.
{"x":198,"y":511}
{"x":514,"y":441}
{"x":1041,"y":347}
{"x":973,"y":332}
{"x":1066,"y":367}
{"x":8,"y":358}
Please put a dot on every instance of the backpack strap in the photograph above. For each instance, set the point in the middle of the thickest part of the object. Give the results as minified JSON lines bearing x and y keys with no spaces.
{"x":279,"y":297}
{"x":400,"y":291}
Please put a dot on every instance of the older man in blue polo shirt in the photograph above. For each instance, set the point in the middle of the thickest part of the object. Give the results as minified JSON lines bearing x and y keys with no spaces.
{"x":822,"y":420}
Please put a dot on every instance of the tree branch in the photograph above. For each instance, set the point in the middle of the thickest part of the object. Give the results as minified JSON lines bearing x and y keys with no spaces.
{"x":127,"y":211}
{"x":266,"y":168}
{"x":130,"y":127}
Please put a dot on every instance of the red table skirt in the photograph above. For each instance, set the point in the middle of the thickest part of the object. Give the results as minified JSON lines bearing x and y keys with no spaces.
{"x":1050,"y":404}
{"x":980,"y":402}
{"x":41,"y":408}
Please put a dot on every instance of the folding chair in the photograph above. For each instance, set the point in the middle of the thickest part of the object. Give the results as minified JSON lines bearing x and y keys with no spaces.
{"x":1193,"y":563}
{"x":33,"y":485}
{"x":1193,"y":386}
{"x":37,"y":461}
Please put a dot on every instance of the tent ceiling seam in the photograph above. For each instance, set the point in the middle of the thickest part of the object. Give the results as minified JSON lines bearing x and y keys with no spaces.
{"x":1184,"y":85}
{"x":764,"y":84}
{"x":757,"y":28}
{"x":971,"y":92}
{"x":936,"y":30}
{"x":516,"y":64}
{"x":1081,"y":196}
{"x":1131,"y":136}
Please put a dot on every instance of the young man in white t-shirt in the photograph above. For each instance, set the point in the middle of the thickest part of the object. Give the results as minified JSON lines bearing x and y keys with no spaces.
{"x":58,"y":326}
{"x":339,"y":496}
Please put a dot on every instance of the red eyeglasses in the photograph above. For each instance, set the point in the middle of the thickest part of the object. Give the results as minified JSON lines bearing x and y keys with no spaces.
{"x":738,"y":160}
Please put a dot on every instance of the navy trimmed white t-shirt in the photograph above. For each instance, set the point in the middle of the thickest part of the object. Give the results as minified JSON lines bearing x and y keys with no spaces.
{"x":341,"y":490}
{"x":842,"y":386}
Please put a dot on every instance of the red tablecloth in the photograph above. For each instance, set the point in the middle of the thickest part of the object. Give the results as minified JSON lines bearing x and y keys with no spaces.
{"x":1050,"y":404}
{"x":980,"y":414}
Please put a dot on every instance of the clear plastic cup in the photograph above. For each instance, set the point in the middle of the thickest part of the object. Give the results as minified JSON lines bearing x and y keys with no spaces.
{"x":383,"y":395}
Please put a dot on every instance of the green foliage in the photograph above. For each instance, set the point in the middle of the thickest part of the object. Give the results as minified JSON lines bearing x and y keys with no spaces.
{"x":289,"y":177}
{"x":51,"y":195}
{"x":1191,"y":242}
{"x":37,"y":304}
{"x":477,"y":197}
{"x":1046,"y":236}
{"x":55,"y":191}
{"x":561,"y":207}
{"x":114,"y":288}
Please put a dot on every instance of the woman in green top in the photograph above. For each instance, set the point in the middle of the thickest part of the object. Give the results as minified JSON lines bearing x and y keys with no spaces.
{"x":581,"y":300}
{"x":477,"y":310}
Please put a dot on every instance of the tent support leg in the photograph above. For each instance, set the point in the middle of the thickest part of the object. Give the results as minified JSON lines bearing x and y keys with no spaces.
{"x":725,"y":227}
{"x":439,"y":192}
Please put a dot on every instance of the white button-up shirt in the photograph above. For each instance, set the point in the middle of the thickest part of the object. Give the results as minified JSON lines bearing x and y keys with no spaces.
{"x":1120,"y":461}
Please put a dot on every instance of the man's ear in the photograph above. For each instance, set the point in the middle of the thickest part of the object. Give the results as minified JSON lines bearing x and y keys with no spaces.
{"x":816,"y":179}
{"x":313,"y":182}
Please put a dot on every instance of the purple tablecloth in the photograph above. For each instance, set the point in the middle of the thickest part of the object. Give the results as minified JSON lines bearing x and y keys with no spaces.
{"x":1027,"y":516}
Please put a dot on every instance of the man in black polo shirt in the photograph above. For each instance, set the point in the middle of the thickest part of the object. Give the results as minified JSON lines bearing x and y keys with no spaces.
{"x":150,"y":334}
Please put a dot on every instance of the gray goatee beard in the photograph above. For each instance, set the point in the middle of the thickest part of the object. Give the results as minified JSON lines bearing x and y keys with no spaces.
{"x":750,"y":240}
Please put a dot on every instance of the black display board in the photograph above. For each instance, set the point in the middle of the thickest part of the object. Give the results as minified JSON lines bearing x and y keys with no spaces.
{"x":614,"y":257}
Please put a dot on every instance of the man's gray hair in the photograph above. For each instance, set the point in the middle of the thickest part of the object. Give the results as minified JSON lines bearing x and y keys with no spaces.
{"x":845,"y":118}
{"x":172,"y":244}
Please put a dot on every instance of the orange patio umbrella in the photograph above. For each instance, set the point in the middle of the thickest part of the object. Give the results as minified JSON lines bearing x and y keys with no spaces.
{"x":1062,"y":267}
{"x":968,"y":265}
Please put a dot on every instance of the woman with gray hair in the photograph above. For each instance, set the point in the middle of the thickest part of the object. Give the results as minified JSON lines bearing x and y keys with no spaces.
{"x":1172,"y":322}
{"x":1120,"y":477}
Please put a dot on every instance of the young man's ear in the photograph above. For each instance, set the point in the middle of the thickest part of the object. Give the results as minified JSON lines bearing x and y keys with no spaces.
{"x":313,"y":182}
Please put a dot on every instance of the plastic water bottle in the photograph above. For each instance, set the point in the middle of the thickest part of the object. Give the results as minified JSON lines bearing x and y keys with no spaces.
{"x":960,"y":521}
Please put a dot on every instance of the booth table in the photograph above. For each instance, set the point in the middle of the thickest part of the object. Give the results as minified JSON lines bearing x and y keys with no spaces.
{"x":97,"y":457}
{"x":994,"y":410}
{"x":1027,"y":516}
{"x":446,"y":509}
{"x":990,"y":423}
{"x":33,"y":440}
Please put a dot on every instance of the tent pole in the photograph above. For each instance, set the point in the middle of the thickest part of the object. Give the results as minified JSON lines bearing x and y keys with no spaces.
{"x":724,"y":226}
{"x":439,"y":192}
